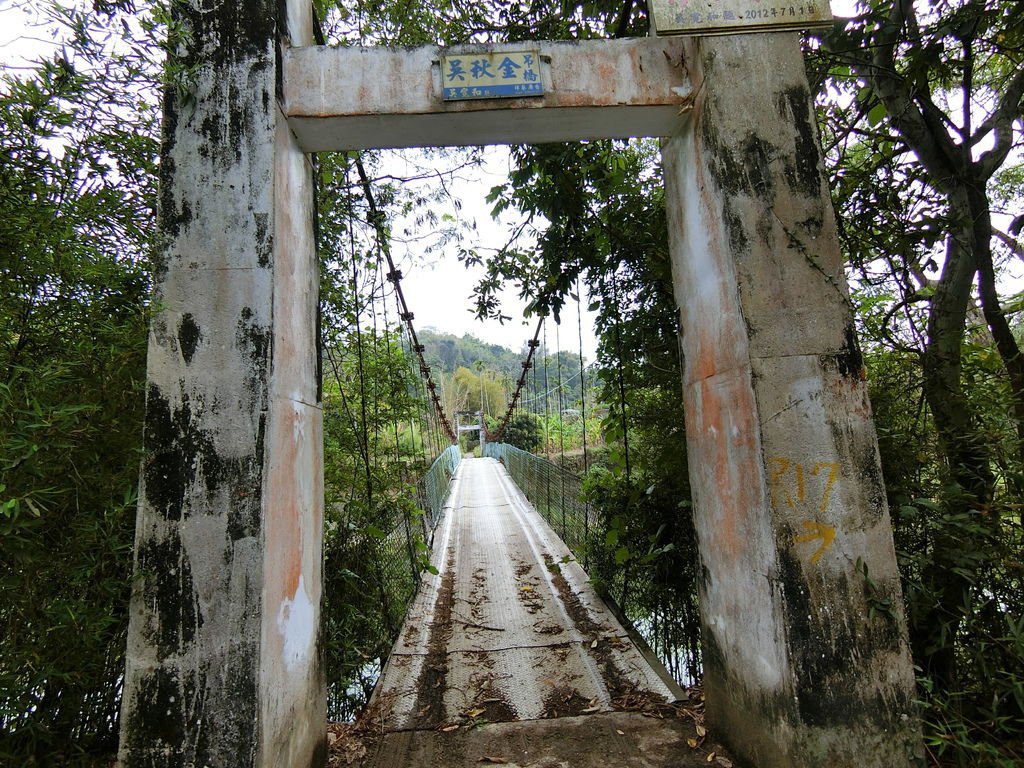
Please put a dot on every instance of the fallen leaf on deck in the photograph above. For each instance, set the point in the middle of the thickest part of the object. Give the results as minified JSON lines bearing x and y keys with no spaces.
{"x":474,"y":712}
{"x":692,"y":743}
{"x":621,"y":733}
{"x":449,"y":728}
{"x":724,"y":762}
{"x":702,"y":731}
{"x":493,"y":760}
{"x":710,"y":758}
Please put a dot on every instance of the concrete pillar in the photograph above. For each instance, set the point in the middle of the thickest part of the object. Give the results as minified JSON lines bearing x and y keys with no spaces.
{"x":223,"y":650}
{"x":805,"y":654}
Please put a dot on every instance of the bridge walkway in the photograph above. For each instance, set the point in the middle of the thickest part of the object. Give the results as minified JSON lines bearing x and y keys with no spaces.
{"x":508,"y":655}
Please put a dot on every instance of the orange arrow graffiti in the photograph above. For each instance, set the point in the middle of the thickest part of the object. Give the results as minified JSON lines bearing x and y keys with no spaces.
{"x":817,"y":532}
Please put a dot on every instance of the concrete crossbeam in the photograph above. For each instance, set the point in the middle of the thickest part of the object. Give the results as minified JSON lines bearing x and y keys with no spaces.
{"x":357,"y":98}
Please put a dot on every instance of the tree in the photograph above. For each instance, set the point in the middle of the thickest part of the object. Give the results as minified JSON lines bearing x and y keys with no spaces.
{"x":927,"y":118}
{"x":481,"y":390}
{"x":921,"y":109}
{"x":523,"y":432}
{"x":373,"y":535}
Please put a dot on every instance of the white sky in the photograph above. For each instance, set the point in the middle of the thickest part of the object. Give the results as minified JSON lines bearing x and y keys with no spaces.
{"x":18,"y":46}
{"x":438,"y":287}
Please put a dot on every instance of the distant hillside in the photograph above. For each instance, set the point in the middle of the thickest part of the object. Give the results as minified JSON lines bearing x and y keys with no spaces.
{"x":447,"y":352}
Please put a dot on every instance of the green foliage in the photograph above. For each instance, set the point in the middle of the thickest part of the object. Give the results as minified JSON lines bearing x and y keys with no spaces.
{"x":377,"y":444}
{"x":77,"y":195}
{"x":643,"y":555}
{"x":69,"y":453}
{"x":406,"y":22}
{"x":373,"y":537}
{"x":480,"y":389}
{"x":77,"y":191}
{"x":563,"y":432}
{"x":962,"y":577}
{"x":373,"y":555}
{"x":374,"y":533}
{"x":448,"y":353}
{"x":523,"y":432}
{"x":604,"y":202}
{"x":921,"y":120}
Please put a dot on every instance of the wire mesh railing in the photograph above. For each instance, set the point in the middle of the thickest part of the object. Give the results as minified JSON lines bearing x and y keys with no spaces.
{"x":432,"y":488}
{"x":642,"y":592}
{"x":556,"y":493}
{"x":372,"y":576}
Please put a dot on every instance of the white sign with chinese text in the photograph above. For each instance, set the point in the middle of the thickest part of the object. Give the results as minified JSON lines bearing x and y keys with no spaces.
{"x":509,"y":74}
{"x":720,"y":16}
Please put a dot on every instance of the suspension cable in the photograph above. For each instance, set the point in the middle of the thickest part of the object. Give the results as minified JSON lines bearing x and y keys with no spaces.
{"x":362,"y":378}
{"x":547,"y":409}
{"x":621,"y":378}
{"x":558,"y":387}
{"x":392,"y":389}
{"x":583,"y":416}
{"x":395,"y":276}
{"x":417,"y":453}
{"x":527,"y":364}
{"x":376,"y":356}
{"x":583,"y":377}
{"x":561,"y":423}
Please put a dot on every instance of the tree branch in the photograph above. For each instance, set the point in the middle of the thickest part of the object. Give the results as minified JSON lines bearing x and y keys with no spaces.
{"x":919,"y":129}
{"x":623,"y":21}
{"x":1010,"y":242}
{"x":1000,"y":123}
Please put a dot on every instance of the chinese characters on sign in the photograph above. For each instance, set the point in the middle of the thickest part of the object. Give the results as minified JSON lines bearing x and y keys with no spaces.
{"x":710,"y":16}
{"x":491,"y":75}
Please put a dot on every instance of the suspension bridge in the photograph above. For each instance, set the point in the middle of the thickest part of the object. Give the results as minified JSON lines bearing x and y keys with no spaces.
{"x":224,"y":662}
{"x":505,"y":634}
{"x":508,"y":656}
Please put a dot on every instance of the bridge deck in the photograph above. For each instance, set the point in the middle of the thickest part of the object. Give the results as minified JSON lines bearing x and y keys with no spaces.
{"x":509,"y":649}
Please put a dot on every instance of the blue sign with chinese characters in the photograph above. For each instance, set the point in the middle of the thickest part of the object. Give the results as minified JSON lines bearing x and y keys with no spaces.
{"x":509,"y":74}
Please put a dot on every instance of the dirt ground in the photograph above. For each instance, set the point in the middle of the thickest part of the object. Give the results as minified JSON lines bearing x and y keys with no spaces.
{"x":639,"y":734}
